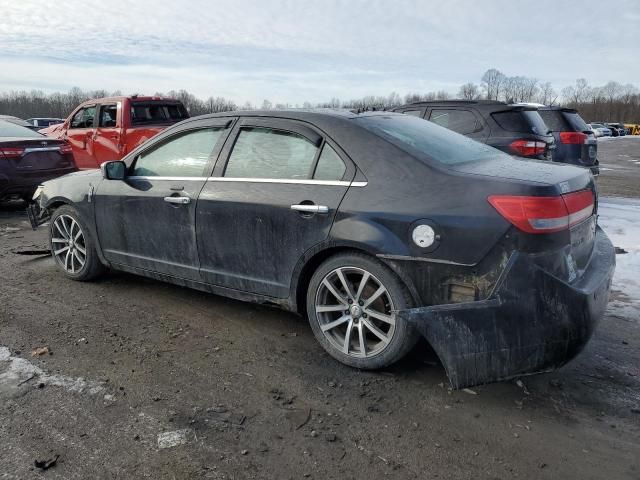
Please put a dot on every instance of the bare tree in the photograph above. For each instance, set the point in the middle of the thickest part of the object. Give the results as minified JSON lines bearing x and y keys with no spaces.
{"x":469,"y":91}
{"x":492,"y":83}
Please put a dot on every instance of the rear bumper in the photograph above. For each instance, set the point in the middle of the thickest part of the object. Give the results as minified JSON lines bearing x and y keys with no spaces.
{"x":26,"y":183}
{"x":533,"y":322}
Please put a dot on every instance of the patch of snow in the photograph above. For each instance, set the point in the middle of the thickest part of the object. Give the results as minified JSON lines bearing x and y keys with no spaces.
{"x":620,"y":219}
{"x":173,"y":439}
{"x":16,"y":372}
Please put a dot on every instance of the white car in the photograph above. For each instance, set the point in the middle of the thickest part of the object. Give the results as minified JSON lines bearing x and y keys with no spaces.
{"x":599,"y":130}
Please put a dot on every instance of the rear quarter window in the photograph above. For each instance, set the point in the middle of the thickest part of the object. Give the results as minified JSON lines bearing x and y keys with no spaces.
{"x":554,"y":120}
{"x":528,"y":121}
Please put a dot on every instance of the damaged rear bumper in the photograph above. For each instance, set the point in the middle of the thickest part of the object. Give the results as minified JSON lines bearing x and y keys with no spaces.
{"x":533,"y":322}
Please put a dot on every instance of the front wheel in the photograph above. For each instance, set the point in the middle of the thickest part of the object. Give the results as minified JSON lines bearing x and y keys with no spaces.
{"x":351,"y":305}
{"x":72,"y":246}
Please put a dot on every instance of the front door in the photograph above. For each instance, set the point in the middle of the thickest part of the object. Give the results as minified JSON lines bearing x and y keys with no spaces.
{"x":80,"y":136}
{"x":147,"y":221}
{"x":106,"y":139}
{"x":273,"y":199}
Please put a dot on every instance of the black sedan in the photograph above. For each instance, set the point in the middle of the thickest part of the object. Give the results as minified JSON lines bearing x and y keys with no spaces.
{"x":378,"y":227}
{"x":28,"y":158}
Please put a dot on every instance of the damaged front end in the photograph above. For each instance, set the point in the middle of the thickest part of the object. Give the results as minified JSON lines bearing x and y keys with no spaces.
{"x":532,"y":321}
{"x":36,"y":211}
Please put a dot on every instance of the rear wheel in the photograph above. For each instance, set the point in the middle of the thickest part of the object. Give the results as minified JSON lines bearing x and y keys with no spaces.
{"x":71,"y":245}
{"x":351,"y":305}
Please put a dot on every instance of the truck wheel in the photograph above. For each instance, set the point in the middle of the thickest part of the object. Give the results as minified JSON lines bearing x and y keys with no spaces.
{"x":72,"y":246}
{"x":351,"y":304}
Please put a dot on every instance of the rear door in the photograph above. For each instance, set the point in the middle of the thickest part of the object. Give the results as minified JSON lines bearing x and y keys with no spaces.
{"x":107,"y":136}
{"x":80,"y":135}
{"x":273,"y":197}
{"x":147,"y":221}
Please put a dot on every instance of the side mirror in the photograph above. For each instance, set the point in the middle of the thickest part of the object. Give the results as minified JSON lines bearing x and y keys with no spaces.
{"x":115,"y":170}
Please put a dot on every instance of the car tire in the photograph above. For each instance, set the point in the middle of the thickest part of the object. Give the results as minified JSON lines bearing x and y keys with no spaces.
{"x":385,"y":337}
{"x":72,"y":246}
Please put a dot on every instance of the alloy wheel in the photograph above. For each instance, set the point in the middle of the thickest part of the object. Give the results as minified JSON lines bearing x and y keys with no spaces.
{"x":68,"y":244}
{"x":355,"y":312}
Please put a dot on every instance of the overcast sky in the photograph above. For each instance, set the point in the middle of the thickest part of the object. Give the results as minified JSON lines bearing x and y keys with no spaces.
{"x":297,"y":50}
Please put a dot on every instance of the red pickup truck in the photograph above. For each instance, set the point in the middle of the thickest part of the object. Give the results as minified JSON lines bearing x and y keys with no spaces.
{"x":105,"y":129}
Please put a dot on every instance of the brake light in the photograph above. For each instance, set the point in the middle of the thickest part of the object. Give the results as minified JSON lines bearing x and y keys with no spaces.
{"x":11,"y":152}
{"x":528,"y":148}
{"x":544,"y":214}
{"x":573,"y":138}
{"x":65,"y":149}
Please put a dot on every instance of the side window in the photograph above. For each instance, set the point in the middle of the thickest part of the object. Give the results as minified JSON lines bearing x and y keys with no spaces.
{"x":461,"y":121}
{"x":267,"y":153}
{"x":84,"y":118}
{"x":185,"y":155}
{"x":108,"y":115}
{"x":415,"y":113}
{"x":330,"y":165}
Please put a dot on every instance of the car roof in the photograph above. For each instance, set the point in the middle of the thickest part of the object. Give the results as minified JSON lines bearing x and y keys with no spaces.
{"x":299,"y":113}
{"x":137,"y":98}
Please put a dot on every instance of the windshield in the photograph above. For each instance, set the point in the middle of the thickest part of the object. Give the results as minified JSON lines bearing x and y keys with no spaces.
{"x":8,"y":129}
{"x":423,"y":138}
{"x":157,"y":112}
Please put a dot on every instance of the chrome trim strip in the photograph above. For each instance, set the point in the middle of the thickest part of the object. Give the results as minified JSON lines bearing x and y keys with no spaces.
{"x":41,"y":149}
{"x":179,"y":179}
{"x":335,"y":183}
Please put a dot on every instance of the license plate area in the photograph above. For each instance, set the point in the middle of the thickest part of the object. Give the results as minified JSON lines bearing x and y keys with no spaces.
{"x":582,"y":239}
{"x":42,"y":161}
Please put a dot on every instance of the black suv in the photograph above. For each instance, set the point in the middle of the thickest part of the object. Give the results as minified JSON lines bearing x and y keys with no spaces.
{"x":575,"y":142}
{"x":514,"y":129}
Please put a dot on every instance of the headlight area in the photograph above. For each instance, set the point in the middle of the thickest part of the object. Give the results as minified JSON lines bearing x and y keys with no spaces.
{"x":35,"y":211}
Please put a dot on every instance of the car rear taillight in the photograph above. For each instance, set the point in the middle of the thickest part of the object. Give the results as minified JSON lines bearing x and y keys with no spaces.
{"x":11,"y":152}
{"x":528,"y":148}
{"x":545,"y":214}
{"x":573,"y":138}
{"x":65,"y":149}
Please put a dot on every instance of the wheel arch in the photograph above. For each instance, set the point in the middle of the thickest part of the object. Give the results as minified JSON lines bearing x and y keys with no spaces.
{"x":314,"y":258}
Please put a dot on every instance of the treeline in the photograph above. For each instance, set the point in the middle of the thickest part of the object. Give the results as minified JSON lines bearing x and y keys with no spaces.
{"x":611,"y":102}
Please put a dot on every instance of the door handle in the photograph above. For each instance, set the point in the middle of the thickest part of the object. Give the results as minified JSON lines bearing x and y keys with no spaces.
{"x":178,"y":200}
{"x":310,"y":208}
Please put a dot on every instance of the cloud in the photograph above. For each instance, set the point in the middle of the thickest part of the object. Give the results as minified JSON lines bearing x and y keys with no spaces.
{"x":296,"y":50}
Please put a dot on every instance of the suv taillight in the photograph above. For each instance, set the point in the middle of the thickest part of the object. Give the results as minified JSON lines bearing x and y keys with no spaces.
{"x":11,"y":152}
{"x":544,"y":214}
{"x":573,"y":138}
{"x":528,"y":148}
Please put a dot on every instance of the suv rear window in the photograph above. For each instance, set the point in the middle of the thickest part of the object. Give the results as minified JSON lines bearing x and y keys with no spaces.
{"x":157,"y":112}
{"x":560,"y":121}
{"x":528,"y":121}
{"x":420,"y":138}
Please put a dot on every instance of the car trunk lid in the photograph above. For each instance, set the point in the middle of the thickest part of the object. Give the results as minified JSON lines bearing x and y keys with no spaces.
{"x":36,"y":154}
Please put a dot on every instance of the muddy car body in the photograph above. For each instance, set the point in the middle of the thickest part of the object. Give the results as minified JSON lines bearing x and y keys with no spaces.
{"x":376,"y":226}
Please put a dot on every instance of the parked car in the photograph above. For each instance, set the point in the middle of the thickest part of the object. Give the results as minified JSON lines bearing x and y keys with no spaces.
{"x":515,"y":129}
{"x":600,"y":130}
{"x":27,"y":159}
{"x":375,"y":226}
{"x":615,"y":132}
{"x":41,"y":123}
{"x":108,"y":128}
{"x":17,"y":121}
{"x":618,"y":127}
{"x":575,"y":142}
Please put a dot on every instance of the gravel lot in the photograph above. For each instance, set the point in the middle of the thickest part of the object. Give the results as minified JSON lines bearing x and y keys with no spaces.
{"x":144,"y":379}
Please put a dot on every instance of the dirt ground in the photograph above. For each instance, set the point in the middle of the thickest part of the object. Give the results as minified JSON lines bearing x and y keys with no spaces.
{"x":148,"y":380}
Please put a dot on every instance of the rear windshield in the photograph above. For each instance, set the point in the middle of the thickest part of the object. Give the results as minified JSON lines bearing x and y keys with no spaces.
{"x":422,"y":138}
{"x":157,"y":112}
{"x":560,"y":121}
{"x":8,"y":129}
{"x":528,"y":121}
